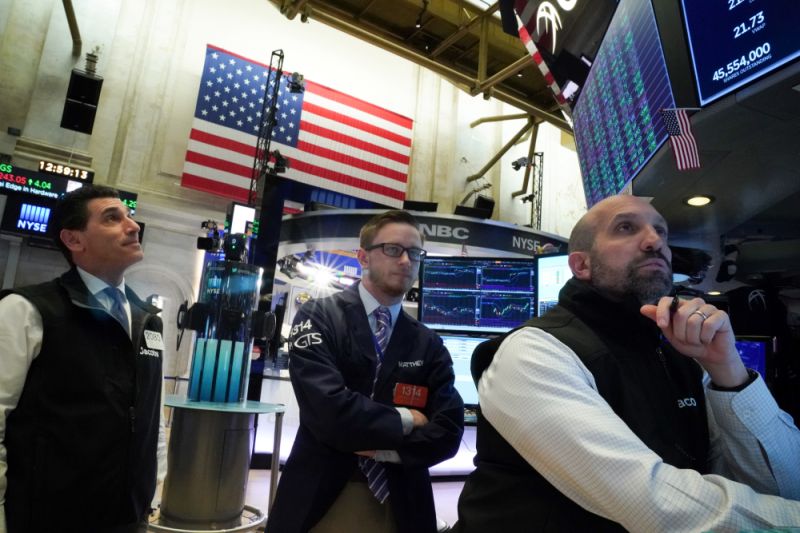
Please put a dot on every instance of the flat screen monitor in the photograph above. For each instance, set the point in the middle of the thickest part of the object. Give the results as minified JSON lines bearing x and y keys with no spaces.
{"x":738,"y":41}
{"x":240,"y":216}
{"x":756,"y":352}
{"x":476,"y":294}
{"x":617,"y":120}
{"x":461,"y":348}
{"x":552,"y":273}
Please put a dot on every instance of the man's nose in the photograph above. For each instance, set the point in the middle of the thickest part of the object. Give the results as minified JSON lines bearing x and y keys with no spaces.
{"x":133,"y":227}
{"x":653,"y":240}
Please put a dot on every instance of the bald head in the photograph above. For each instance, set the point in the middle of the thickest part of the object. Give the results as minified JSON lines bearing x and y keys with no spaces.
{"x":583,"y":234}
{"x":620,"y":247}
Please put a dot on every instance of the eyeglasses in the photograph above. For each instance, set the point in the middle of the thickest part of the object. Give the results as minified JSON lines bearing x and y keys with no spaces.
{"x":396,"y":250}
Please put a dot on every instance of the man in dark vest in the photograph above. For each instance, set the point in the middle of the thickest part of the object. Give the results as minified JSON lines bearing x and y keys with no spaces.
{"x":80,"y":386}
{"x":625,"y":409}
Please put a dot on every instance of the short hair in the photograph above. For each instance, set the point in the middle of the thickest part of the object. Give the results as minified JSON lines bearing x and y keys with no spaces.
{"x":583,"y":234}
{"x":396,"y":216}
{"x":71,"y":212}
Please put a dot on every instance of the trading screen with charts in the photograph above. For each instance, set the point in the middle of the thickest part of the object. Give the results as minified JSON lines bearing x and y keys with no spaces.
{"x":477,"y":295}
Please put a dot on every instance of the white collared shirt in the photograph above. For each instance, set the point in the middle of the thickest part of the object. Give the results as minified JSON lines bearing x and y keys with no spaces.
{"x":371,"y":304}
{"x":97,"y":287}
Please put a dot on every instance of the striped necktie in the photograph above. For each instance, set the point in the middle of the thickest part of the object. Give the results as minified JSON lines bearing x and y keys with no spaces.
{"x":118,"y":308}
{"x":373,"y":470}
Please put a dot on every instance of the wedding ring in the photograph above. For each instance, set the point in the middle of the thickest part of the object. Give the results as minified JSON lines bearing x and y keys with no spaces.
{"x":702,"y":314}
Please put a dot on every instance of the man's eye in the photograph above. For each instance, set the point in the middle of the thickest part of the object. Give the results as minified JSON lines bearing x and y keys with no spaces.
{"x":625,"y":227}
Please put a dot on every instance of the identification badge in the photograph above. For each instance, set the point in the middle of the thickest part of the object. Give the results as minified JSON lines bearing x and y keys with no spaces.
{"x":410,"y":395}
{"x":153,"y":340}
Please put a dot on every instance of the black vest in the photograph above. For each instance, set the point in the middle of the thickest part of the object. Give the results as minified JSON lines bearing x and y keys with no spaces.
{"x":82,"y":440}
{"x":640,"y":376}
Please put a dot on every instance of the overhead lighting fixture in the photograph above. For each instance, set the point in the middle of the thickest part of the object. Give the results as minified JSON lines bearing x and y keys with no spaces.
{"x":281,"y":162}
{"x":699,"y":201}
{"x":422,"y":11}
{"x":713,"y":293}
{"x":296,"y":83}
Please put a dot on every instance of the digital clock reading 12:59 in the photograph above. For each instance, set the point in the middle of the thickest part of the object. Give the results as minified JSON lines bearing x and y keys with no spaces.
{"x":66,"y":170}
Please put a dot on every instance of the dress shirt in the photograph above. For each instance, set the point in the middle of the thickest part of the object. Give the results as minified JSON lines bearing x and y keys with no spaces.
{"x":407,"y":419}
{"x":97,"y":287}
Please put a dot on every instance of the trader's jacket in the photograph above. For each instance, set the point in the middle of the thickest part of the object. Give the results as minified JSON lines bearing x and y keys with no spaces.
{"x":332,"y":365}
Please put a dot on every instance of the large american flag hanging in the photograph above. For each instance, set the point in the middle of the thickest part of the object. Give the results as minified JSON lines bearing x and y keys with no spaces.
{"x":333,"y":141}
{"x":681,"y":138}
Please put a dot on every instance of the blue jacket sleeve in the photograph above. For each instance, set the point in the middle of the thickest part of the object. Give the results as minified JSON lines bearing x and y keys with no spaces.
{"x":332,"y":380}
{"x":440,"y":438}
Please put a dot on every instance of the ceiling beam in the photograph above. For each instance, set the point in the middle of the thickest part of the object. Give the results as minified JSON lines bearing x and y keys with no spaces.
{"x":463,"y":30}
{"x":347,"y":23}
{"x":501,"y":75}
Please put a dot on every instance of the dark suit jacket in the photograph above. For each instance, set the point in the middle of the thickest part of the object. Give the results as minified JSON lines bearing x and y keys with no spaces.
{"x":332,"y":365}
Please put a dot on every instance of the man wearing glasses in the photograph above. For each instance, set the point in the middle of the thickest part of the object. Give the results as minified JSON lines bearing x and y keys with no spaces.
{"x":376,"y":397}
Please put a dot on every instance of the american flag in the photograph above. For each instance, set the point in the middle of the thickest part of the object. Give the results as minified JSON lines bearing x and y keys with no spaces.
{"x":683,"y":144}
{"x":333,"y":140}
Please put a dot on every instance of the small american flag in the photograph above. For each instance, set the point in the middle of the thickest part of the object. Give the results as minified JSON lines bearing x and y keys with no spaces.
{"x":334,"y":141}
{"x":680,"y":137}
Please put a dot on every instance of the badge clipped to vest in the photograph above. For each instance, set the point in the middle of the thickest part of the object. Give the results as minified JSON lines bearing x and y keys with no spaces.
{"x":153,"y":340}
{"x":410,"y":395}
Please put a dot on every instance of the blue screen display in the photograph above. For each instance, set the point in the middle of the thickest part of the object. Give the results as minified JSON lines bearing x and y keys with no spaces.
{"x":617,"y":119}
{"x":734,"y":42}
{"x":754,"y":354}
{"x":461,"y":348}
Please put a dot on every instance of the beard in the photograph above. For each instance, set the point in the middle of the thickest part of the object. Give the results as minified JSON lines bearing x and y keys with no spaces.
{"x":388,"y":286}
{"x":646,"y":287}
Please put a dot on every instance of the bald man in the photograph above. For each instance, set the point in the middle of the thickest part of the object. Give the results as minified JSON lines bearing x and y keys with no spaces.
{"x":624,"y":409}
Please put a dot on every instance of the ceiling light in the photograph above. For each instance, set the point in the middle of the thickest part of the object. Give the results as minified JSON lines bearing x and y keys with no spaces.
{"x":421,"y":12}
{"x":699,"y":201}
{"x":713,"y":293}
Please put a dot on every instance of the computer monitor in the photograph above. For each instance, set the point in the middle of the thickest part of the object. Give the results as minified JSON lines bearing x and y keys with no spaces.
{"x":552,"y":273}
{"x":756,"y":353}
{"x":461,"y":348}
{"x":240,"y":215}
{"x":478,"y":295}
{"x":617,"y":123}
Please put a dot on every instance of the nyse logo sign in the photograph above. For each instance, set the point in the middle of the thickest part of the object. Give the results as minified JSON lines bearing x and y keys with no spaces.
{"x":525,"y":243}
{"x":33,"y":218}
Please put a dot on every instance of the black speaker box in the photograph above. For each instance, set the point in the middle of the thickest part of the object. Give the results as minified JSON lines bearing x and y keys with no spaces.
{"x":78,"y":116}
{"x":80,"y":108}
{"x":413,"y":205}
{"x":484,"y":202}
{"x":477,"y":212}
{"x":84,"y":87}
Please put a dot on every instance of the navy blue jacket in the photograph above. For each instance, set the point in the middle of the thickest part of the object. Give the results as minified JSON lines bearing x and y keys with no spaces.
{"x":332,"y":364}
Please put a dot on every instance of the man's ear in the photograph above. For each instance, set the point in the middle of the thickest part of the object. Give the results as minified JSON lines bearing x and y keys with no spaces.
{"x":580,"y":264}
{"x":363,"y":260}
{"x":72,"y":239}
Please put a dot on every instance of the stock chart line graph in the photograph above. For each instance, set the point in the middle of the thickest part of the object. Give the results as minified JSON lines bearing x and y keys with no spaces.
{"x":504,"y":309}
{"x":480,"y":295}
